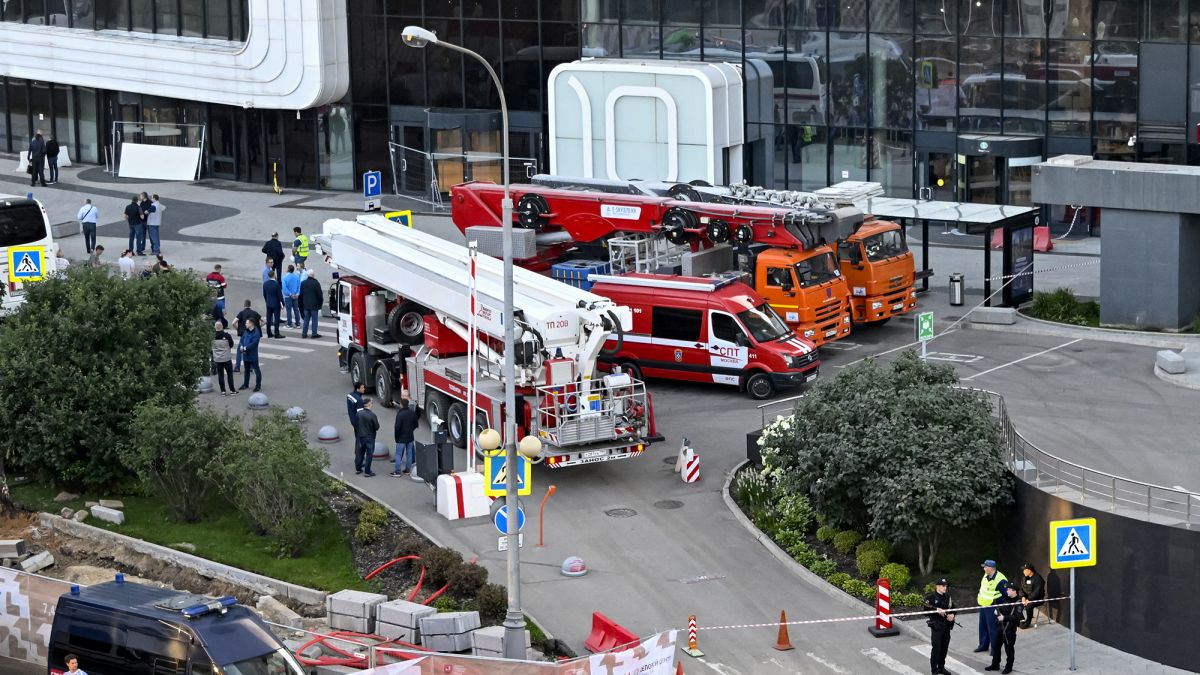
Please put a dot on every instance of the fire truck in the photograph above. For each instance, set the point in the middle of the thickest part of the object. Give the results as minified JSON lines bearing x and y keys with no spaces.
{"x":391,"y":277}
{"x":781,"y":251}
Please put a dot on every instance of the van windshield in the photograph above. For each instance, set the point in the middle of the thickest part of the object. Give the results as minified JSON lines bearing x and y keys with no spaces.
{"x":817,"y":270}
{"x":764,"y":324}
{"x":279,"y":662}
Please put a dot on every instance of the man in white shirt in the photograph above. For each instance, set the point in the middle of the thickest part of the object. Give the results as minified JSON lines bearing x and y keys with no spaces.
{"x":154,"y":220}
{"x":126,"y":264}
{"x":88,"y":215}
{"x":73,"y":665}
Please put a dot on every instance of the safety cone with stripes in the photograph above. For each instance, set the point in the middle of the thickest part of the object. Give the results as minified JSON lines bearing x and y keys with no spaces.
{"x":883,"y":611}
{"x":692,"y":650}
{"x":783,"y":643}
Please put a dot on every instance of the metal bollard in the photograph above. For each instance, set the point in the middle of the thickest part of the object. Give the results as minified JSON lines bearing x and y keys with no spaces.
{"x":957,"y":289}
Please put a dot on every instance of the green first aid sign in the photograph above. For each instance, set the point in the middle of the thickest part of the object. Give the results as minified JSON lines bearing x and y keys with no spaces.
{"x":925,"y":326}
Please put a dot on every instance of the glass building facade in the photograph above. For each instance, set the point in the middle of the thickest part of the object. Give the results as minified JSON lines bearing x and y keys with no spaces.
{"x":957,"y":96}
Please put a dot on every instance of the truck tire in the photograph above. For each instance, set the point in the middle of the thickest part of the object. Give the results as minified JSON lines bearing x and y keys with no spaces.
{"x":406,"y":323}
{"x":358,"y":371}
{"x":437,"y":404}
{"x":632,"y":369}
{"x":456,"y":425}
{"x":383,"y":384}
{"x":759,"y":386}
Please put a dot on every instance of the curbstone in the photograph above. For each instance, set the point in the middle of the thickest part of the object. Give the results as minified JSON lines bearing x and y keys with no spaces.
{"x":80,"y":515}
{"x":276,"y":612}
{"x":1170,"y":362}
{"x":112,"y":503}
{"x":12,"y":548}
{"x":107,"y":514}
{"x":1002,"y":316}
{"x":38,"y":562}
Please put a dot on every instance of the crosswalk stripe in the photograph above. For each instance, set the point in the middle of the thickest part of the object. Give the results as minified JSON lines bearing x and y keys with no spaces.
{"x":272,"y":357}
{"x":958,"y":666}
{"x":878,"y":656}
{"x":828,"y":664}
{"x":284,"y":348}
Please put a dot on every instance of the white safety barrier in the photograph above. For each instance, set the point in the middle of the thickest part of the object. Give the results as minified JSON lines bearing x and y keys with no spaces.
{"x":64,"y":160}
{"x":159,"y":162}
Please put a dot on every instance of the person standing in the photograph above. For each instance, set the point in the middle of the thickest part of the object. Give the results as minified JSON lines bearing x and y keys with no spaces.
{"x":368,"y":426}
{"x":94,"y":259}
{"x":222,"y":356}
{"x":310,"y":305}
{"x":37,"y":159}
{"x":274,"y":250}
{"x":153,"y":223}
{"x":125,"y":263}
{"x":215,"y":281}
{"x":145,"y":206}
{"x":268,"y":267}
{"x":940,"y":622}
{"x":72,"y":663}
{"x":1033,"y":590}
{"x":88,"y":216}
{"x":248,"y":346}
{"x":408,"y":418}
{"x":273,"y":297}
{"x":291,"y":296}
{"x":133,"y":218}
{"x":241,"y":321}
{"x":1008,"y":615}
{"x":989,"y":592}
{"x":354,"y":401}
{"x":52,"y":159}
{"x":299,"y":246}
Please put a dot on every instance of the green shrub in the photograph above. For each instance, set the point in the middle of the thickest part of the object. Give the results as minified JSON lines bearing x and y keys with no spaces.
{"x":869,"y":562}
{"x":838,"y":578}
{"x":846,"y":540}
{"x":409,"y":543}
{"x":914,"y":600}
{"x":752,"y":492}
{"x":440,"y":563}
{"x":897,"y":574}
{"x":795,"y":513}
{"x":373,"y":512}
{"x":1062,"y":306}
{"x":445,"y":603}
{"x":804,"y":555}
{"x":788,"y":538}
{"x":825,"y":534}
{"x":881,"y":545}
{"x":860,"y":589}
{"x":765,"y":521}
{"x":930,"y":587}
{"x":823,"y":567}
{"x":492,"y":603}
{"x":467,"y":579}
{"x":367,"y":531}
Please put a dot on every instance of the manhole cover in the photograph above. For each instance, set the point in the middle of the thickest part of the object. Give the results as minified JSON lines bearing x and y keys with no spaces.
{"x":668,"y":504}
{"x":620,"y":513}
{"x":215,"y":260}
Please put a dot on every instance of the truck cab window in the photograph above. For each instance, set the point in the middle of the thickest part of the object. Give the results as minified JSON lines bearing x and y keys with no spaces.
{"x":884,"y":245}
{"x":779,"y":276}
{"x":669,"y":323}
{"x":726,"y":328}
{"x":848,"y":251}
{"x":817,"y":270}
{"x":343,"y":299}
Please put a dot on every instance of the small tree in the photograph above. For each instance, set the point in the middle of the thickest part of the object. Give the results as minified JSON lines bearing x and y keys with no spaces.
{"x":274,"y":479}
{"x":84,"y":350}
{"x":895,"y":450}
{"x":170,"y":447}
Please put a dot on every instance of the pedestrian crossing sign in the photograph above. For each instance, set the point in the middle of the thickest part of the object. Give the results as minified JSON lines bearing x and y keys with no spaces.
{"x":402,"y":217}
{"x":1072,"y":543}
{"x":495,"y":469}
{"x":26,"y":263}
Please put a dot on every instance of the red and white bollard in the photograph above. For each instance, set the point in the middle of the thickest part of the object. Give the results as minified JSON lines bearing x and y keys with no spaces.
{"x":692,"y":650}
{"x":691,"y":466}
{"x":883,"y":611}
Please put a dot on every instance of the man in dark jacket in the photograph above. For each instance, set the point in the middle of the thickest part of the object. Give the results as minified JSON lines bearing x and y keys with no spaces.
{"x":52,"y":159}
{"x":222,"y":355}
{"x":364,"y":447}
{"x":408,"y":418}
{"x":37,"y":159}
{"x":310,"y":305}
{"x":137,"y":226}
{"x":246,"y":313}
{"x":273,"y":297}
{"x":1033,"y":589}
{"x":274,"y":250}
{"x":1008,"y":615}
{"x":940,"y":623}
{"x":248,"y":348}
{"x":354,"y":401}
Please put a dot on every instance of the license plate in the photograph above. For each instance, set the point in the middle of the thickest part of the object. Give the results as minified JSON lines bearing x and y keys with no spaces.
{"x":831,"y":333}
{"x":593,"y":453}
{"x":810,"y":377}
{"x":898,"y":306}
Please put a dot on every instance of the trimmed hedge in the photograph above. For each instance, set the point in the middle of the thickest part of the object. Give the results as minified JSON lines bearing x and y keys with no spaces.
{"x":897,"y":574}
{"x":846,"y":540}
{"x":869,"y":563}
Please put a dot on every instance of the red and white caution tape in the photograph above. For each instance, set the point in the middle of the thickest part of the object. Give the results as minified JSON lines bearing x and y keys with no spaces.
{"x":1042,"y":271}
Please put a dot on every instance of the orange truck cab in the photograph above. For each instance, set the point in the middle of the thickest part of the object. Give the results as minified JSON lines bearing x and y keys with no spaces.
{"x":879,"y":271}
{"x":703,"y":329}
{"x":805,"y":287}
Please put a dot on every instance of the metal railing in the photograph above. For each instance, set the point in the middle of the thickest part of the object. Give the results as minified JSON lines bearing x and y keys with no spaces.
{"x":1072,"y":481}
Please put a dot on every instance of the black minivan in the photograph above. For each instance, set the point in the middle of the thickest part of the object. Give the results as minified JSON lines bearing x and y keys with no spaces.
{"x":123,"y":628}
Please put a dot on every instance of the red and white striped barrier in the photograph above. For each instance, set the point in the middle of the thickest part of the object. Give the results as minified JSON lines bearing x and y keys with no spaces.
{"x":691,"y":466}
{"x":883,"y":611}
{"x":692,"y":650}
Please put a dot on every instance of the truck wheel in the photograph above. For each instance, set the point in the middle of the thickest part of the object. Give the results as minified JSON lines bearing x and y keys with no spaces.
{"x":406,"y":323}
{"x":383,"y":385}
{"x":436,"y":405}
{"x":632,"y":369}
{"x":358,"y":371}
{"x":759,"y":387}
{"x":456,"y":425}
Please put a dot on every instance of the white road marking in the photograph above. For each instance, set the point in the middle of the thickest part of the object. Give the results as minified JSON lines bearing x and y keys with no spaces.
{"x":953,"y":358}
{"x":828,"y":664}
{"x":958,"y":666}
{"x":283,"y":348}
{"x":777,"y":663}
{"x":894,"y":349}
{"x":272,"y":357}
{"x":720,"y":667}
{"x":888,"y":662}
{"x":1023,"y":358}
{"x":841,"y":345}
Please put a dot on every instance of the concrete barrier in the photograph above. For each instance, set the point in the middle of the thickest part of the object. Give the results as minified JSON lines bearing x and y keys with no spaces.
{"x":1170,"y":362}
{"x":1003,"y":316}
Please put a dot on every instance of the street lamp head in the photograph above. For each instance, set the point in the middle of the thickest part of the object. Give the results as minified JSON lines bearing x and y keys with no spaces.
{"x":489,"y":439}
{"x":530,"y":448}
{"x":415,"y":36}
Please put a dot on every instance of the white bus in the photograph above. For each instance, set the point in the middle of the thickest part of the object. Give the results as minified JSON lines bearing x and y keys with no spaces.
{"x":23,"y":222}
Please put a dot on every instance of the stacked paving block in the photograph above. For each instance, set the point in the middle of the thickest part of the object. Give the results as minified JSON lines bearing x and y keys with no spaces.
{"x":490,"y":642}
{"x":353,"y":610}
{"x":400,"y":620}
{"x":448,"y":631}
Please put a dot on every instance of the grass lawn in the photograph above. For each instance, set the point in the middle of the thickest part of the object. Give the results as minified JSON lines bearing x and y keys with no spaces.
{"x":223,"y":537}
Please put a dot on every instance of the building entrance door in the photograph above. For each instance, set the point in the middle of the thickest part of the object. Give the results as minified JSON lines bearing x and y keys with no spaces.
{"x":997,"y":169}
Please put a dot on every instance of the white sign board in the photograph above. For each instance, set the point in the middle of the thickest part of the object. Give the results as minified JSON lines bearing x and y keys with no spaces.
{"x":158,"y":162}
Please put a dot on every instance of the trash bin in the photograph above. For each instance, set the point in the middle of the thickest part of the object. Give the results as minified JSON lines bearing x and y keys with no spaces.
{"x":956,"y":289}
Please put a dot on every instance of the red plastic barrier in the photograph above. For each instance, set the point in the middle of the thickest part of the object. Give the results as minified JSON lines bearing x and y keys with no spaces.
{"x":607,"y":634}
{"x":1041,"y":239}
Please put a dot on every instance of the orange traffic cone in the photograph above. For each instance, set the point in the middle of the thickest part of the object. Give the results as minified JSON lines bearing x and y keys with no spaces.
{"x":678,"y":668}
{"x":783,"y":643}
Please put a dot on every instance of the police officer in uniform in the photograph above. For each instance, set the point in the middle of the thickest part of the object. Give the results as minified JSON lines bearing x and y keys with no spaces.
{"x":940,"y":623}
{"x":1008,"y":615}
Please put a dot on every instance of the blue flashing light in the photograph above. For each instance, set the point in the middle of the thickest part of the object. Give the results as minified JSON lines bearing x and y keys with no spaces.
{"x":120,"y":578}
{"x":220,"y":605}
{"x":74,"y":589}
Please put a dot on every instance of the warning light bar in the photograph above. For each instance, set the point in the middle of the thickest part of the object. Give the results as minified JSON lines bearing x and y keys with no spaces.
{"x":220,"y":605}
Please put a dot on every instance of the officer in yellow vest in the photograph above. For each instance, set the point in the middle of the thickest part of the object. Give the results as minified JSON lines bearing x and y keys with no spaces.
{"x":299,"y":246}
{"x":989,"y":592}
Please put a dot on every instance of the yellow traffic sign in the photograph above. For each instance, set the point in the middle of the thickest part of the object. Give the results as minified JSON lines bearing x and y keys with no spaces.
{"x":26,"y":263}
{"x":402,"y":217}
{"x":495,"y":471}
{"x":1072,"y":543}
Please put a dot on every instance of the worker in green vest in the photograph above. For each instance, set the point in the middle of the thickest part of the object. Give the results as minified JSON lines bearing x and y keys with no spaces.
{"x":299,"y":246}
{"x":989,"y":592}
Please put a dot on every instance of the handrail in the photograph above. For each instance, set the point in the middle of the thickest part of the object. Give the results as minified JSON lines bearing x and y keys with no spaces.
{"x":770,"y":404}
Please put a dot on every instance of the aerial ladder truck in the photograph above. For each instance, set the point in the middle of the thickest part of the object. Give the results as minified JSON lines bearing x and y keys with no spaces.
{"x":404,"y":309}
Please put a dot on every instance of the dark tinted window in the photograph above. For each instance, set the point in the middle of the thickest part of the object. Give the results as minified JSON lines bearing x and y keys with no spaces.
{"x":21,"y":224}
{"x":724,"y":327}
{"x":676,"y":324}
